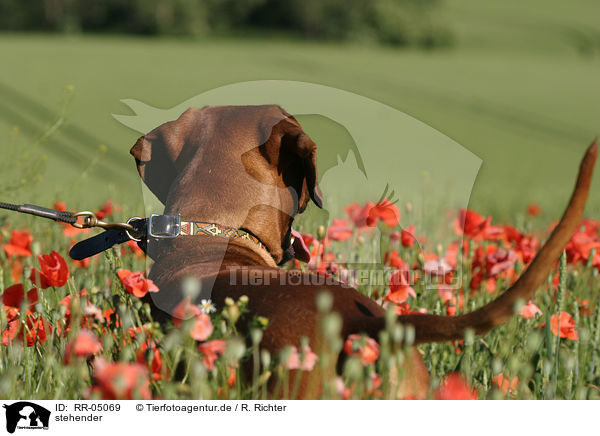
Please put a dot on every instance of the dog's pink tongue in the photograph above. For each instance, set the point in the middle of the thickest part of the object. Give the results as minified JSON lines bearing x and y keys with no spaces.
{"x":300,"y":249}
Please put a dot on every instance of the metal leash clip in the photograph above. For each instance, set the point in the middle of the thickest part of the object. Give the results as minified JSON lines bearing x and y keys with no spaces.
{"x":91,"y":220}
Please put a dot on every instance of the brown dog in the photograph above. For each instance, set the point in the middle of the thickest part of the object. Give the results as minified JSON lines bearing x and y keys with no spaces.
{"x":253,"y":168}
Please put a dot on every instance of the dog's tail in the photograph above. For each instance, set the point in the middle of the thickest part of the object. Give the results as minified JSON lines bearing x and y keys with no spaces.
{"x":433,"y":328}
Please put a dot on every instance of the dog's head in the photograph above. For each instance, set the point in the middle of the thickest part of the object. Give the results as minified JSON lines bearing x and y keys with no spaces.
{"x":248,"y":167}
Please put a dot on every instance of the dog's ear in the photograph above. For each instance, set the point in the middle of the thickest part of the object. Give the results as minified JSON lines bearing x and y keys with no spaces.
{"x":155,"y":156}
{"x":296,"y":141}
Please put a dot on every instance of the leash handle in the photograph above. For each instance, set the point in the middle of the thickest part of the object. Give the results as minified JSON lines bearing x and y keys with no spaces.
{"x":57,"y":215}
{"x":44,"y":212}
{"x":105,"y":240}
{"x":89,"y":218}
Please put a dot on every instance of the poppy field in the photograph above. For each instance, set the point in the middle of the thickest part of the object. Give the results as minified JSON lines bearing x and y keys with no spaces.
{"x":73,"y":330}
{"x":519,"y":90}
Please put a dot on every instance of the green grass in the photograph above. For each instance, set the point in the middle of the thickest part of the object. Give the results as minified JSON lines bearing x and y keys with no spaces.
{"x":547,"y":367}
{"x":519,"y":90}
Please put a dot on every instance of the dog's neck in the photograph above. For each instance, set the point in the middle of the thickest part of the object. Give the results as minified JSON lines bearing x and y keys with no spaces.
{"x":202,"y":256}
{"x":268,"y":224}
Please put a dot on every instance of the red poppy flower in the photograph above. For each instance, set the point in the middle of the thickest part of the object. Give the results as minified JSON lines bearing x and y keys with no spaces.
{"x":60,"y":205}
{"x":580,"y":247}
{"x":12,"y":328}
{"x":202,"y":328}
{"x":69,"y":231}
{"x":395,"y":261}
{"x":84,"y":346}
{"x":232,"y":376}
{"x":400,"y":288}
{"x":505,"y":384}
{"x":375,"y":383}
{"x":454,"y":387}
{"x":136,"y":250}
{"x":211,"y":351}
{"x":448,"y":296}
{"x":185,"y":310}
{"x":366,"y":348}
{"x":105,"y":210}
{"x":478,"y":278}
{"x":499,"y":260}
{"x":36,"y":331}
{"x":438,"y":268}
{"x":91,"y":316}
{"x":510,"y":234}
{"x":148,"y":352}
{"x":529,"y":310}
{"x":339,"y":230}
{"x":527,"y":248}
{"x":19,"y":244}
{"x":316,"y":249}
{"x":152,"y":352}
{"x":386,"y":211}
{"x":83,"y":263}
{"x":14,"y":296}
{"x":492,"y":264}
{"x":358,"y":215}
{"x":305,"y":361}
{"x":135,"y":283}
{"x":16,"y":269}
{"x":454,"y":251}
{"x":534,"y":209}
{"x":122,"y":381}
{"x":590,"y":226}
{"x":67,"y":301}
{"x":404,"y":309}
{"x":566,"y":323}
{"x":407,"y":236}
{"x":469,"y":223}
{"x":55,"y":271}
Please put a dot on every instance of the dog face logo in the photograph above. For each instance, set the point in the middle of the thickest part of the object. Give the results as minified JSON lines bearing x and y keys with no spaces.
{"x":26,"y":415}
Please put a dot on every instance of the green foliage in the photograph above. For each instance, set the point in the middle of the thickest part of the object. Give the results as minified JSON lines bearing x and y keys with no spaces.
{"x":395,"y":22}
{"x":547,"y":367}
{"x":24,"y":160}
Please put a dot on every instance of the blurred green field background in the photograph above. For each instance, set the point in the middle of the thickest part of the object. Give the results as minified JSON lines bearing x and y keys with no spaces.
{"x":520,"y":89}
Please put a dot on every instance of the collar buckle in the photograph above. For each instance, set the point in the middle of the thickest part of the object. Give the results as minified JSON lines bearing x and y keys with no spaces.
{"x":164,"y":226}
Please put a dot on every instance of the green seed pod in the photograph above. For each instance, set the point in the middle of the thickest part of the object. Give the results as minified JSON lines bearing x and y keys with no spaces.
{"x":256,"y":336}
{"x":262,"y":321}
{"x":497,"y":366}
{"x":324,"y":301}
{"x":353,"y":369}
{"x":332,"y":324}
{"x":533,"y":341}
{"x":232,"y":313}
{"x":191,"y":287}
{"x":265,"y":358}
{"x":235,"y":350}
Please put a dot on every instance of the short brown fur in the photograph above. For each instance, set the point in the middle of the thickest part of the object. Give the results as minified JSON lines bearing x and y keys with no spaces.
{"x":253,"y":167}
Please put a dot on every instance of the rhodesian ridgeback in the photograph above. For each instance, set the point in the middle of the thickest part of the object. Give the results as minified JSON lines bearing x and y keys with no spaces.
{"x":245,"y":172}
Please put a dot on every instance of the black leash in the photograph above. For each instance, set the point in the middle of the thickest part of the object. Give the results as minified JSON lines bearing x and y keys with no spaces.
{"x":31,"y":209}
{"x":116,"y":233}
{"x":105,"y":240}
{"x":140,"y":230}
